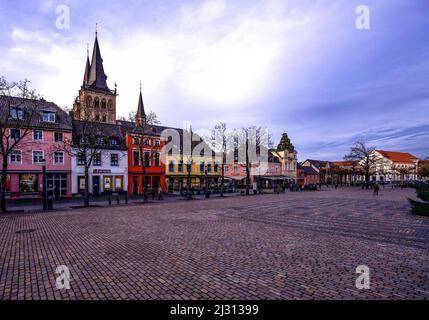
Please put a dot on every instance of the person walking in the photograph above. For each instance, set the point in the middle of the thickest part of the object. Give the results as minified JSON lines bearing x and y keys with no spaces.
{"x":160,"y":193}
{"x":376,"y":189}
{"x":153,"y":193}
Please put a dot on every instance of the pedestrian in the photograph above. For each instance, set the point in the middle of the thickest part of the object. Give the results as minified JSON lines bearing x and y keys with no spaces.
{"x":255,"y":188}
{"x":160,"y":193}
{"x":376,"y":189}
{"x":153,"y":193}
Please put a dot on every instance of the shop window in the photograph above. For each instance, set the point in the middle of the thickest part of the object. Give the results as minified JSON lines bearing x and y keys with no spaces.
{"x":81,"y":184}
{"x":28,"y":183}
{"x":216,"y":168}
{"x":38,"y":135}
{"x":202,"y":167}
{"x":209,"y":167}
{"x":8,"y":183}
{"x":119,"y":185}
{"x":107,"y":183}
{"x":16,"y":156}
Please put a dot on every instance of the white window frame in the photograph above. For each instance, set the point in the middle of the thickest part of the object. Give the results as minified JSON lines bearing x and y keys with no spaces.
{"x":20,"y":156}
{"x":17,"y":113}
{"x":32,"y":156}
{"x":34,"y":131}
{"x":58,"y":163}
{"x":49,"y":116}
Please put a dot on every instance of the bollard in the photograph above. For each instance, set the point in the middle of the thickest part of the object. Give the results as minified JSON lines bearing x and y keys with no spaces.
{"x":126,"y":197}
{"x":118,"y":201}
{"x":110,"y":200}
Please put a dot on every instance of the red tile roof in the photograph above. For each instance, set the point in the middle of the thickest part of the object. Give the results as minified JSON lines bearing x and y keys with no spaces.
{"x":345,"y":163}
{"x":398,"y":156}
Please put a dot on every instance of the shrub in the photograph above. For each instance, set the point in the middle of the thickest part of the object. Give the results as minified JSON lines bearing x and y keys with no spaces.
{"x":421,"y":208}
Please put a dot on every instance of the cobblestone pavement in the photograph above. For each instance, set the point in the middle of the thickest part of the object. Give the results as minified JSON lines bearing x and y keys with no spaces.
{"x":290,"y":246}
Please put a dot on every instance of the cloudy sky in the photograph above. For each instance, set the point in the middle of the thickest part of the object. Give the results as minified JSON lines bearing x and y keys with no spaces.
{"x":296,"y":66}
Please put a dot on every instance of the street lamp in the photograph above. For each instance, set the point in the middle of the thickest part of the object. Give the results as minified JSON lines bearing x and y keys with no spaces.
{"x":207,"y":181}
{"x":44,"y":189}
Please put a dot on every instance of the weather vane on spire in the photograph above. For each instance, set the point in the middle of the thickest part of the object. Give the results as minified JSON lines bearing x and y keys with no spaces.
{"x":96,"y":28}
{"x":140,"y":85}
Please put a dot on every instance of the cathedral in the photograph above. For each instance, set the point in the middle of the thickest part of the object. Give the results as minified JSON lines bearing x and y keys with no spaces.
{"x":96,"y":102}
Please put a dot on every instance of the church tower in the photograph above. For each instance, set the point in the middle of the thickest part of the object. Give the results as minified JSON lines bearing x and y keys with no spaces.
{"x":96,"y":102}
{"x":140,"y":115}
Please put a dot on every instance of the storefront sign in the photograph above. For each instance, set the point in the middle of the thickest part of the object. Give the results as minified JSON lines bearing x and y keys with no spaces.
{"x":101,"y":171}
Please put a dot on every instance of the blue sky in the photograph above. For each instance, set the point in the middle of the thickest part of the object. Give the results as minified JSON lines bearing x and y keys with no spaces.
{"x":295,"y":66}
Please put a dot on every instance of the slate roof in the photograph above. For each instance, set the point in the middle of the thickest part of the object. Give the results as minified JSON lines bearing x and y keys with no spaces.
{"x":33,"y":110}
{"x":97,"y":77}
{"x":100,"y":129}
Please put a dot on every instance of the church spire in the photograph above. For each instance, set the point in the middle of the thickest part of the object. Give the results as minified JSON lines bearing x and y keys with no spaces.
{"x":97,"y":77}
{"x":141,"y":115}
{"x":87,"y":67}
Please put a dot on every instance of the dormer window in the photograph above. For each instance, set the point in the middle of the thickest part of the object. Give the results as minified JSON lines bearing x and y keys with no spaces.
{"x":48,"y":116}
{"x":17,"y":113}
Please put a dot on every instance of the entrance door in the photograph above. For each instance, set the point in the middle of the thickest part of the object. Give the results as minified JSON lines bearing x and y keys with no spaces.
{"x":135,"y":185}
{"x":95,"y":185}
{"x":155,"y":182}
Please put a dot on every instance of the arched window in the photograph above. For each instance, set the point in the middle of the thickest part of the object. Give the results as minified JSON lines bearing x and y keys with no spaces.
{"x":89,"y":101}
{"x":110,"y":104}
{"x":97,"y":103}
{"x":103,"y":104}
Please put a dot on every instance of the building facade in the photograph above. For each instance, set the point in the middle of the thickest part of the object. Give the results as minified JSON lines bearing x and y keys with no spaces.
{"x":42,"y":144}
{"x":108,"y":172}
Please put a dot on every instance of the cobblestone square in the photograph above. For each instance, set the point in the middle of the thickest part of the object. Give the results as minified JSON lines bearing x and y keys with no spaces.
{"x":296,"y":245}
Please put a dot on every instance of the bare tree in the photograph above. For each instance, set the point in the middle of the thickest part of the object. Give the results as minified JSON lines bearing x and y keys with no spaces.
{"x":222,"y":140}
{"x":144,"y":130}
{"x":252,"y":146}
{"x":86,"y":146}
{"x":18,"y":109}
{"x":368,"y":160}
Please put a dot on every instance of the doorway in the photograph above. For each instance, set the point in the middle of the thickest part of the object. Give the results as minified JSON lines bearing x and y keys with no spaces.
{"x":95,"y":185}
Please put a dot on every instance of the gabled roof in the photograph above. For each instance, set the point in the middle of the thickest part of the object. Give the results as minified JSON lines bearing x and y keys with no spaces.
{"x":394,"y":156}
{"x":310,"y":170}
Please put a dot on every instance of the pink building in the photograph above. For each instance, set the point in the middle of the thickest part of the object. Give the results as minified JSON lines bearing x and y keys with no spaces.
{"x":266,"y":173}
{"x":43,"y":144}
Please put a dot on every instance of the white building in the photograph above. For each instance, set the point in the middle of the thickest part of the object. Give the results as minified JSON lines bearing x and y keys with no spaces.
{"x":109,"y":170}
{"x":394,"y":167}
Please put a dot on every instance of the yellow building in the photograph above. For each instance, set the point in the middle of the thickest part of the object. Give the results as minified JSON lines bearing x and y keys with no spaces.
{"x":180,"y":169}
